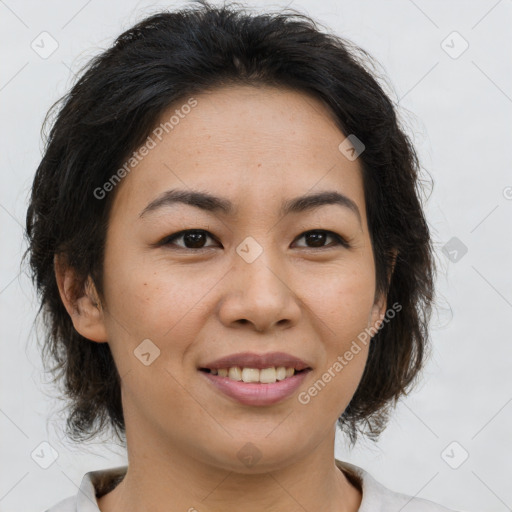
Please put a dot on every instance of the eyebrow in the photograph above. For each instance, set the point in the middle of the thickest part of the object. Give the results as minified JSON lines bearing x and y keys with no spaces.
{"x":208,"y":202}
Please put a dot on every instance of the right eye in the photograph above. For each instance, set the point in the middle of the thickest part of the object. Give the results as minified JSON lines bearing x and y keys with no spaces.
{"x":192,"y":238}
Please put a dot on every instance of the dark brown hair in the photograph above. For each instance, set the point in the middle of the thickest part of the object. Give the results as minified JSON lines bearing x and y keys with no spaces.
{"x":116,"y":102}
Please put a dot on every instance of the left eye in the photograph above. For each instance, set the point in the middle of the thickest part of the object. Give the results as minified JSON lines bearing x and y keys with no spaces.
{"x":194,"y":238}
{"x":318,"y":236}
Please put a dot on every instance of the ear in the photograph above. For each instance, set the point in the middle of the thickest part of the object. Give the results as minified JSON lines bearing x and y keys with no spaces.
{"x":379,"y":307}
{"x":81,"y":301}
{"x":378,"y":312}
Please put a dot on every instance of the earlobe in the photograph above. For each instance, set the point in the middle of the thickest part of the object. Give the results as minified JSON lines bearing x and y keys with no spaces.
{"x":81,"y":301}
{"x":378,"y":312}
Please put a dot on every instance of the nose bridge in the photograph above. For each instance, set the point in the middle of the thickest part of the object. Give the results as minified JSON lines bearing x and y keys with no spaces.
{"x":259,"y":293}
{"x":261,"y":268}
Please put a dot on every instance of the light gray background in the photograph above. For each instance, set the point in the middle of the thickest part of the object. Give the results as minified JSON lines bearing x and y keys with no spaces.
{"x":458,"y":111}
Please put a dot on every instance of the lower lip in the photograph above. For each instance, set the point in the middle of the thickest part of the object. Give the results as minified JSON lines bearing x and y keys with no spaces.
{"x":254,"y":393}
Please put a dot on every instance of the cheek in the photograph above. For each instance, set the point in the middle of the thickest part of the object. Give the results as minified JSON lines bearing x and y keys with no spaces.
{"x":342,"y":298}
{"x":343,"y":309}
{"x":153,"y":299}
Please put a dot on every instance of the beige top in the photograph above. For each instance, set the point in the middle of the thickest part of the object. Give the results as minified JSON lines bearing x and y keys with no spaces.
{"x":375,"y":497}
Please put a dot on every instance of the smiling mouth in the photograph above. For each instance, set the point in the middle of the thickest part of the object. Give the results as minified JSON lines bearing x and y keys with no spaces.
{"x":256,"y":375}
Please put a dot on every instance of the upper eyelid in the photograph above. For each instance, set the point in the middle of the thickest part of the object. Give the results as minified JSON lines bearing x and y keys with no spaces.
{"x":184,"y":232}
{"x":179,"y":234}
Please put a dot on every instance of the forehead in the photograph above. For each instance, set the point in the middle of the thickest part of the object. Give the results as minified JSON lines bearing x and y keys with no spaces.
{"x":244,"y":142}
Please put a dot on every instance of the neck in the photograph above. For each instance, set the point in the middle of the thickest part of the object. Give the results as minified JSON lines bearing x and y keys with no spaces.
{"x":156,"y":481}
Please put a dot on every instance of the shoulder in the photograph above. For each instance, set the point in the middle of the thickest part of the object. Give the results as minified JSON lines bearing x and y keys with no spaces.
{"x":378,"y":498}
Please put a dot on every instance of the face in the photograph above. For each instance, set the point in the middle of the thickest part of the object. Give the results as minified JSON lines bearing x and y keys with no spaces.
{"x":250,"y":279}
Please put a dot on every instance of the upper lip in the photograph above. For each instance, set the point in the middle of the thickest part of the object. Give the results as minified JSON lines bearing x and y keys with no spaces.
{"x":260,"y":361}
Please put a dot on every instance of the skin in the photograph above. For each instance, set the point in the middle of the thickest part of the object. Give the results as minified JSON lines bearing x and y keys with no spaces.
{"x":255,"y":146}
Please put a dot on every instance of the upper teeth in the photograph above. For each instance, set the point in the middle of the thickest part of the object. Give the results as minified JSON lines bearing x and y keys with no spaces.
{"x":265,"y":376}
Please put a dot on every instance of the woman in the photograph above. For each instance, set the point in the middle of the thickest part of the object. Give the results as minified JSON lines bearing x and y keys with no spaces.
{"x":233,"y":261}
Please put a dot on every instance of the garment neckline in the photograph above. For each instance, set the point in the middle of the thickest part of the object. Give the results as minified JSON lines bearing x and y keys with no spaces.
{"x":106,"y":480}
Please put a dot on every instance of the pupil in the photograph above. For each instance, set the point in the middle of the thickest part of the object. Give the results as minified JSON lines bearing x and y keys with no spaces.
{"x":196,"y":239}
{"x":319,"y":238}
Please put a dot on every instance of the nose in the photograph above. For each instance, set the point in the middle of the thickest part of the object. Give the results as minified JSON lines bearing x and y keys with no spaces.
{"x":260,"y":295}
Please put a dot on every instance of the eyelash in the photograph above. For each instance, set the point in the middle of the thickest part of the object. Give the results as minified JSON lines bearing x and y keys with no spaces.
{"x":168,"y":240}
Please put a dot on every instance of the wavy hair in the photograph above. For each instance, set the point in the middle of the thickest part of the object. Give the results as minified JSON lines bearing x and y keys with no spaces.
{"x":115,"y":103}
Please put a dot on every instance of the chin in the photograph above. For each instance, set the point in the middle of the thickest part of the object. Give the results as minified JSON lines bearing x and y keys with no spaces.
{"x":255,"y":455}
